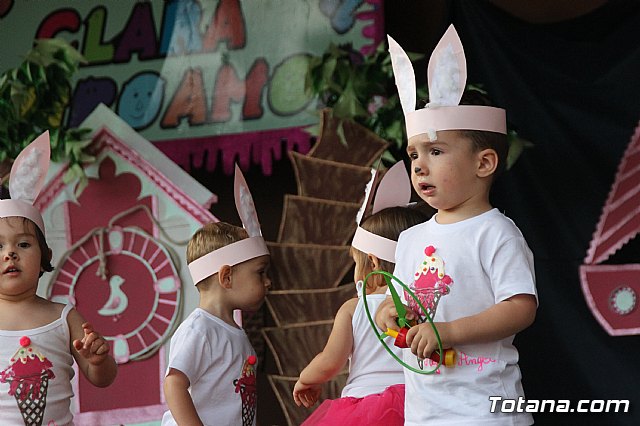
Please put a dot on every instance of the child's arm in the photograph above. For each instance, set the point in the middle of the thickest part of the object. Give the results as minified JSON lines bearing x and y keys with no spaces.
{"x":328,"y":362}
{"x":176,"y":391}
{"x":91,"y":351}
{"x":499,"y":321}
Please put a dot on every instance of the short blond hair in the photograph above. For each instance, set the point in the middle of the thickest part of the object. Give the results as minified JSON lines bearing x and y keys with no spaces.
{"x":213,"y":236}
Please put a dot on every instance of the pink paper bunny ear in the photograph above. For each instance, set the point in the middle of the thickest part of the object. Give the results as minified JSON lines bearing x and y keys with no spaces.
{"x":29,"y":170}
{"x":394,"y":190}
{"x":28,"y":173}
{"x":240,"y":251}
{"x":447,"y":78}
{"x":245,"y":206}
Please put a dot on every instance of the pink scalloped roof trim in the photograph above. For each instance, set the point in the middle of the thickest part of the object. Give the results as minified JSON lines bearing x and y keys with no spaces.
{"x":620,"y":218}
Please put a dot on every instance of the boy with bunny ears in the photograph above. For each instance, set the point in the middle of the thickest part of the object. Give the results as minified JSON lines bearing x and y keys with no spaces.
{"x":211,"y":374}
{"x":473,"y":257}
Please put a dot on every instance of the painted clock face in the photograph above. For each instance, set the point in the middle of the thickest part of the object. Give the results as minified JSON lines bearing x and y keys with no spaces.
{"x":135,"y":303}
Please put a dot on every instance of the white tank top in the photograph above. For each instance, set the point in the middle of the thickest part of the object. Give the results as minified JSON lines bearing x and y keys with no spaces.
{"x":36,"y":368}
{"x":371,"y":368}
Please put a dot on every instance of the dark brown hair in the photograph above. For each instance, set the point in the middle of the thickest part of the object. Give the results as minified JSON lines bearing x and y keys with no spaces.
{"x":482,"y":139}
{"x":486,"y":140}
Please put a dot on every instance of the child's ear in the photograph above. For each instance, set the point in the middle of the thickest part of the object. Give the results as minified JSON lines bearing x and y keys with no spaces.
{"x":224,"y":276}
{"x":487,"y":162}
{"x":374,"y":262}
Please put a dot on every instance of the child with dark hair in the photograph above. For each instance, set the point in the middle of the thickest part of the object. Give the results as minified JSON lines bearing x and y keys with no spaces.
{"x":39,"y":339}
{"x":469,"y":260}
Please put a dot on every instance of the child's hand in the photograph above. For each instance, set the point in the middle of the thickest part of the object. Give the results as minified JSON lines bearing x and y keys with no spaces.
{"x":93,"y":346}
{"x":422,"y":339}
{"x":306,"y":395}
{"x":387,"y":315}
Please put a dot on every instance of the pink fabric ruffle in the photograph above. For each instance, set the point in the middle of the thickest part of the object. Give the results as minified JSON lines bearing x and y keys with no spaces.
{"x":386,"y":408}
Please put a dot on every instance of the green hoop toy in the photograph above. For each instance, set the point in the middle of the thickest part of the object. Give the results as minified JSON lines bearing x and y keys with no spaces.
{"x":401,"y":318}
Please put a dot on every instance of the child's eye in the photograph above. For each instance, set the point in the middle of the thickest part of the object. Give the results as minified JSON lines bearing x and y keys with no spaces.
{"x":24,"y":245}
{"x":435,"y":151}
{"x":413,"y":155}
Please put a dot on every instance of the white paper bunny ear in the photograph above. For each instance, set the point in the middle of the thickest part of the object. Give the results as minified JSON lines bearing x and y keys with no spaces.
{"x":447,"y":70}
{"x":447,"y":78}
{"x":367,"y":194}
{"x":245,"y":206}
{"x":404,"y":76}
{"x":240,"y":251}
{"x":394,"y":190}
{"x":28,"y":173}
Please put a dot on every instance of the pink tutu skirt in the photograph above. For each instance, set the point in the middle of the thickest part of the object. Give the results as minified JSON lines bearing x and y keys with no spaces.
{"x":386,"y":408}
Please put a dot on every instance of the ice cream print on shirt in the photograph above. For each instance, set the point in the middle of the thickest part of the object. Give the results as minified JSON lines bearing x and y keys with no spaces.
{"x":28,"y":377}
{"x":246,"y":386}
{"x":430,"y":282}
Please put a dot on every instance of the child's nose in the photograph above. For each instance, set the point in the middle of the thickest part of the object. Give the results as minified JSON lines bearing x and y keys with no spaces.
{"x":10,"y":255}
{"x":419,"y":170}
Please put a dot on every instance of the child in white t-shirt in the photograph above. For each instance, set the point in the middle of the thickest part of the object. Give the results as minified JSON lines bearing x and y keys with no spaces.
{"x":472,"y":257}
{"x":211,"y":373}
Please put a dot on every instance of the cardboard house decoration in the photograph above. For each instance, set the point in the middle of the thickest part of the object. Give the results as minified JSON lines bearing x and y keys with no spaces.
{"x":119,"y":257}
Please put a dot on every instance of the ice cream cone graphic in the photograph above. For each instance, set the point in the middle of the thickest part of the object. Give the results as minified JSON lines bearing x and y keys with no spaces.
{"x":430,"y":283}
{"x":246,"y":386}
{"x":28,"y":377}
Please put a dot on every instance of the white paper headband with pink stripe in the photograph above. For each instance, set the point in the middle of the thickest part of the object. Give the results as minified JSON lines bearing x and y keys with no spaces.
{"x":446,"y":78}
{"x":237,"y":252}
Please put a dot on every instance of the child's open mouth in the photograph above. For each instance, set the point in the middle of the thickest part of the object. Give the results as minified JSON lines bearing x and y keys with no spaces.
{"x":426,"y":188}
{"x":11,"y":269}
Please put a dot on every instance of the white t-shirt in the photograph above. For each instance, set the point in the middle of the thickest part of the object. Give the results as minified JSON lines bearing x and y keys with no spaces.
{"x":371,"y":368}
{"x":484,"y":260}
{"x":215,"y":357}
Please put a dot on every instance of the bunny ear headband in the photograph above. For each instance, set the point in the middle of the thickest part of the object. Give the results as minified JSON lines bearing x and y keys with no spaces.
{"x":394,"y":190}
{"x":447,"y":78}
{"x":28,"y":173}
{"x":239,"y":251}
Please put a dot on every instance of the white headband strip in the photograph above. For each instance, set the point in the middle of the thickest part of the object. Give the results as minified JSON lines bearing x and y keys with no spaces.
{"x":19,"y":208}
{"x":368,"y":242}
{"x":231,"y":255}
{"x":462,"y":117}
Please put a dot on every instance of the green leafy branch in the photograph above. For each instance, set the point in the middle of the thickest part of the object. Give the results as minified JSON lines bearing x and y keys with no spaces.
{"x":33,"y":98}
{"x":362,"y":89}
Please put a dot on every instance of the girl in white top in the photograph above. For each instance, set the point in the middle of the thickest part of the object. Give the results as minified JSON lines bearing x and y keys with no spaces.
{"x":374,"y":393}
{"x":39,"y":339}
